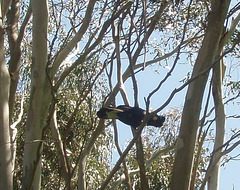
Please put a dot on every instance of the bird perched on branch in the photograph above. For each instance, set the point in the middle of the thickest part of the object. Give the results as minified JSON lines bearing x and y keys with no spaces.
{"x":132,"y":116}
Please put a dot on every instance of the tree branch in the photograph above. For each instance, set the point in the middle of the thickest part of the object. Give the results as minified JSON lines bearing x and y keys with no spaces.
{"x":71,"y":44}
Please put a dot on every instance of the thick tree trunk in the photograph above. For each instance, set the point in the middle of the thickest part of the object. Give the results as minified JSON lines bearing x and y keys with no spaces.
{"x":192,"y":107}
{"x":39,"y":99}
{"x":6,"y":166}
{"x":6,"y":162}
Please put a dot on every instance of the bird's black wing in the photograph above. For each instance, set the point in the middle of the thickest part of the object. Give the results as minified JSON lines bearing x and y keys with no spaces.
{"x":132,"y":116}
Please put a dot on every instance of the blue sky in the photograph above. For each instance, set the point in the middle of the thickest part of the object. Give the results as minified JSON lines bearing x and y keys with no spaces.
{"x":147,"y":81}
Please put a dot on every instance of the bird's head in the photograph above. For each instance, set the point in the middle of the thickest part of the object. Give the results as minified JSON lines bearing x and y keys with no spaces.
{"x":156,"y":121}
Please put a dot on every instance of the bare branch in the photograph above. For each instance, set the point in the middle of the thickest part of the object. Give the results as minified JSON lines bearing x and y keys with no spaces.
{"x":234,"y":23}
{"x":70,"y":45}
{"x":126,"y":171}
{"x":175,"y":61}
{"x":155,"y":156}
{"x":85,"y":54}
{"x":218,"y":157}
{"x":65,"y":172}
{"x":125,"y":152}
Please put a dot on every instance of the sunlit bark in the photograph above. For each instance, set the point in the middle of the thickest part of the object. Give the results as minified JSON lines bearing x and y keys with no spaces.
{"x":193,"y":101}
{"x":6,"y":165}
{"x":213,"y":182}
{"x":39,"y":99}
{"x":220,"y":116}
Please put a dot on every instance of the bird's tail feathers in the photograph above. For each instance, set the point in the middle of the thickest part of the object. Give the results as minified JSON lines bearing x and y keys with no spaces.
{"x":108,"y":113}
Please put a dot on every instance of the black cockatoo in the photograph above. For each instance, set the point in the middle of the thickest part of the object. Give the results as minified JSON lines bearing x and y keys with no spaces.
{"x":132,"y":116}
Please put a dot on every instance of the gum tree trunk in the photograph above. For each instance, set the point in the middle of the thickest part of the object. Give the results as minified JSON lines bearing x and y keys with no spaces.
{"x":189,"y":124}
{"x":39,"y":99}
{"x":6,"y":162}
{"x":6,"y":168}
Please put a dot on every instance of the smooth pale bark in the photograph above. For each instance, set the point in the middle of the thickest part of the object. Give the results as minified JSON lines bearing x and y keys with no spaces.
{"x":192,"y":107}
{"x":65,"y":172}
{"x":15,"y":51}
{"x":86,"y":151}
{"x":39,"y":99}
{"x":13,"y":66}
{"x":61,"y":56}
{"x":218,"y":73}
{"x":218,"y":76}
{"x":6,"y":165}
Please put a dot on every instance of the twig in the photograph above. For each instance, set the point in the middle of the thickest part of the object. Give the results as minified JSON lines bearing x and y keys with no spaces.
{"x":174,"y":63}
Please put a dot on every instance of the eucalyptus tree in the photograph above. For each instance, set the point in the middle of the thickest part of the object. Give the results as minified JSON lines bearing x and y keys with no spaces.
{"x":6,"y":167}
{"x":83,"y":55}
